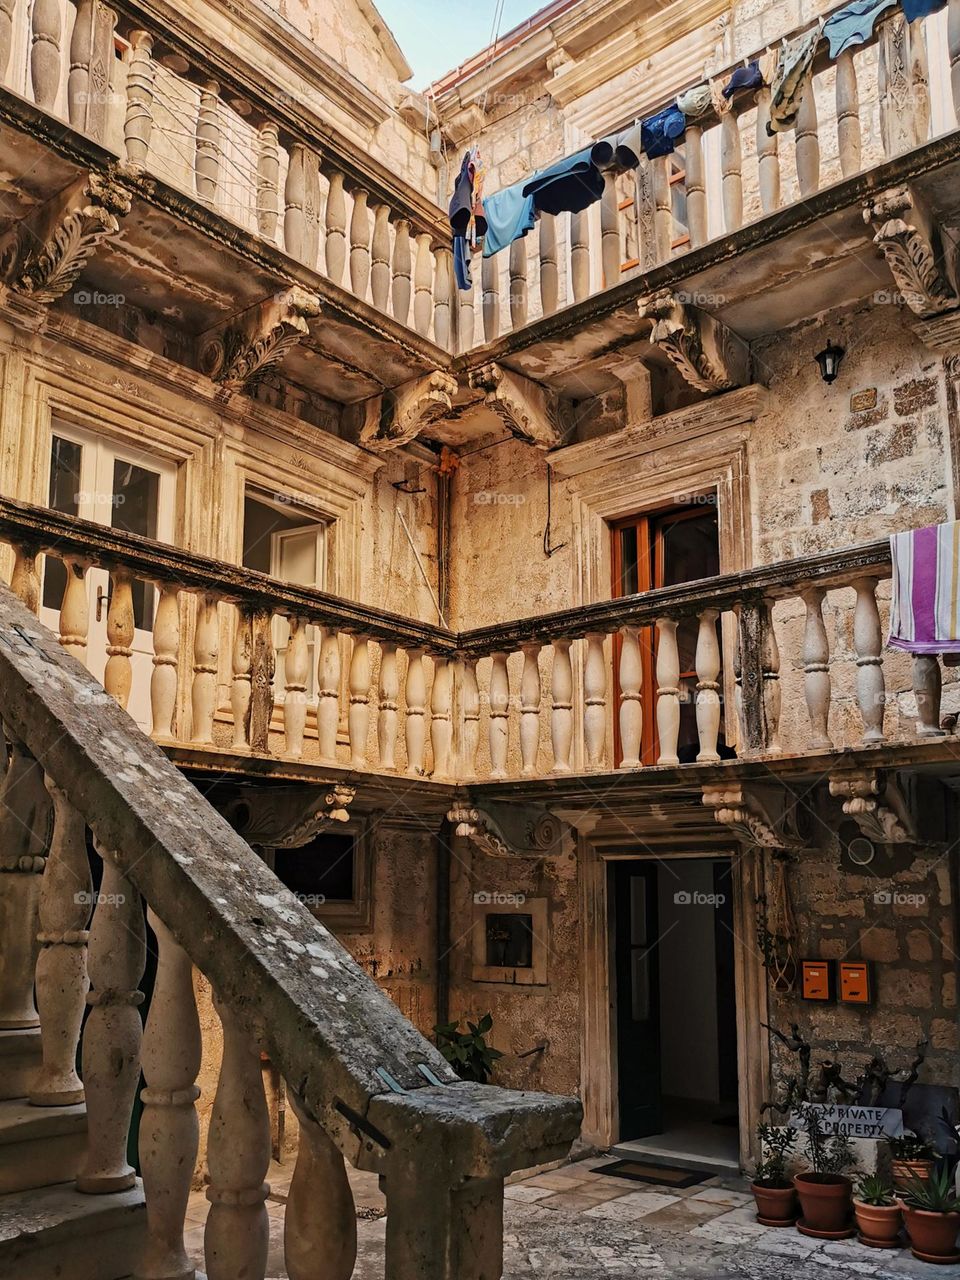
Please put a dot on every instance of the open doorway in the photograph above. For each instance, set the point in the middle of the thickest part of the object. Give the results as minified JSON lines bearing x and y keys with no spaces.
{"x":676,"y":1011}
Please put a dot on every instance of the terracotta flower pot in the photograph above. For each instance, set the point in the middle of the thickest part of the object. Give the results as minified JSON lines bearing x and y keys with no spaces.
{"x":902,"y":1171}
{"x":879,"y":1224}
{"x":932,"y":1235}
{"x":825,"y":1199}
{"x":776,"y":1206}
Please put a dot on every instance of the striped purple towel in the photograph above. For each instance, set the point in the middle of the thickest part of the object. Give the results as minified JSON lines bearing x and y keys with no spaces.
{"x":925,"y":614}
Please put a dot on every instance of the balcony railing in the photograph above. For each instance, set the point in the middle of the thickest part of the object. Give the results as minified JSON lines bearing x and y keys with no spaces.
{"x":359,"y":689}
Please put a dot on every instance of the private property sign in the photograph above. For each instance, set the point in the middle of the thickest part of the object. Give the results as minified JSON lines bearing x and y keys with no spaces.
{"x":854,"y":1122}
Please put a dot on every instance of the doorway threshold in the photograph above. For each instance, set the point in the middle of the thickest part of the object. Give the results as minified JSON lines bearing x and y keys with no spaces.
{"x":681,"y":1151}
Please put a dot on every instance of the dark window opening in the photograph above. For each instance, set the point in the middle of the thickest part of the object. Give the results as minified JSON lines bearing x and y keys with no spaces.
{"x":321,"y":871}
{"x":510,"y":941}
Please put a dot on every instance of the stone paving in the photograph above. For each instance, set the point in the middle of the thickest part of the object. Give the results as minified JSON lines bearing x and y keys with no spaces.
{"x":576,"y":1224}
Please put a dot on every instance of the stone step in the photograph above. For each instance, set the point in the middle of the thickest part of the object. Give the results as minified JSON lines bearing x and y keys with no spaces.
{"x":19,"y":1058}
{"x":39,"y":1146}
{"x":56,"y":1231}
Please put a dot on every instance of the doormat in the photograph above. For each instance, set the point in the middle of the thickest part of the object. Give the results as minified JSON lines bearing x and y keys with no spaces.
{"x":658,"y":1175}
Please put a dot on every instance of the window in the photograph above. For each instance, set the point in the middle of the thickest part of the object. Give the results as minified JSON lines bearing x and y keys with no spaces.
{"x":510,"y":939}
{"x":628,"y":195}
{"x":330,"y":875}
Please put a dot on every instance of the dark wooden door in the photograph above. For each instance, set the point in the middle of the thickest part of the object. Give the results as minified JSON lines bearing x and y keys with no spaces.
{"x":638,"y":999}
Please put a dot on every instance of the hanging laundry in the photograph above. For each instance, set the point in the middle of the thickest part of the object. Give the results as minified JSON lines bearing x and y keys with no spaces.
{"x":925,"y":611}
{"x":660,"y":133}
{"x":915,"y":9}
{"x":853,"y":25}
{"x":569,"y":186}
{"x":743,"y":78}
{"x":461,"y":263}
{"x":696,"y":102}
{"x":479,"y":175}
{"x":618,"y":150}
{"x":466,"y":215}
{"x":792,"y":79}
{"x":509,"y":215}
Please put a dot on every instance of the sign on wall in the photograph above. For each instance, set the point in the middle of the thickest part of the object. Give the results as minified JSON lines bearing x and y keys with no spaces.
{"x":853,"y":1121}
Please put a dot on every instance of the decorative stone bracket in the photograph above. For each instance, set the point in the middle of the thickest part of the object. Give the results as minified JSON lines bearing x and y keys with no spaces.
{"x":764,"y":816}
{"x":284,"y":818}
{"x":876,"y":804}
{"x":525,"y":408}
{"x":48,"y":250}
{"x":710,"y":356}
{"x":401,"y":415}
{"x":915,"y":250}
{"x":237,"y":355}
{"x":509,"y":831}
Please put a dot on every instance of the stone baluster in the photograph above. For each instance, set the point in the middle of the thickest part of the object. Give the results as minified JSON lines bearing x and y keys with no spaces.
{"x":549,"y":266}
{"x":594,"y":700}
{"x":206,"y":646}
{"x":402,"y":269}
{"x":499,"y":716}
{"x":927,"y":686}
{"x":808,"y":145}
{"x":45,"y":52}
{"x":490,"y":302}
{"x":360,"y":245}
{"x":166,"y":660}
{"x":138,"y":119}
{"x":849,"y":134}
{"x":631,"y":706}
{"x":471,"y":718}
{"x":662,"y":208}
{"x":301,"y":206}
{"x":868,"y":644}
{"x":423,"y":286}
{"x":953,"y":47}
{"x":296,"y":673}
{"x":320,"y":1221}
{"x":118,"y":673}
{"x":8,"y":12}
{"x":335,"y":241}
{"x":169,"y":1130}
{"x":530,"y":697}
{"x":696,"y":185}
{"x":898,"y":93}
{"x":262,"y":670}
{"x":358,"y":719}
{"x":768,"y":155}
{"x":268,"y":181}
{"x":24,"y":824}
{"x":770,"y":671}
{"x":91,"y":56}
{"x":441,"y":716}
{"x":238,"y":1156}
{"x":668,"y":691}
{"x":389,"y":696}
{"x":611,"y":250}
{"x":467,"y":317}
{"x":113,"y":1031}
{"x":920,"y":79}
{"x":61,"y":981}
{"x":708,"y":686}
{"x":518,"y":284}
{"x":415,"y":726}
{"x":241,"y":688}
{"x":816,"y":670}
{"x":380,"y":258}
{"x":561,"y":717}
{"x":75,"y":611}
{"x":443,"y":300}
{"x":25,"y":579}
{"x":209,"y":140}
{"x":731,"y":169}
{"x":328,"y":700}
{"x":580,"y":255}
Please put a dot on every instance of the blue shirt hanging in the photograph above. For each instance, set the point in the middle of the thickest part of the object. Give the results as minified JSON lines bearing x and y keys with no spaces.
{"x":915,"y":9}
{"x":744,"y":78}
{"x":569,"y":186}
{"x":510,"y":215}
{"x":853,"y":25}
{"x":660,"y":133}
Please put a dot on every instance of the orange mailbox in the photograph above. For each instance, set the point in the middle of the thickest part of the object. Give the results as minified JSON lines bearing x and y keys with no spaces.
{"x":817,"y":979}
{"x":855,"y":985}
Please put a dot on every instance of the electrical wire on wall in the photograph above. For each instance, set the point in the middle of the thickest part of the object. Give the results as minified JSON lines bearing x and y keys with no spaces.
{"x":548,"y":548}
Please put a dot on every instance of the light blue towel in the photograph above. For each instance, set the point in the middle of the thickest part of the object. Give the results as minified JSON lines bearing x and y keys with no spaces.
{"x":853,"y":25}
{"x":509,"y":215}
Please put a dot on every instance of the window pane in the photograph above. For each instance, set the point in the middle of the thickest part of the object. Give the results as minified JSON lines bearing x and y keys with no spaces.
{"x":64,"y":495}
{"x":135,"y":498}
{"x":638,"y":910}
{"x":629,"y":570}
{"x":510,"y":941}
{"x":640,"y":984}
{"x":691,"y":547}
{"x":321,"y":871}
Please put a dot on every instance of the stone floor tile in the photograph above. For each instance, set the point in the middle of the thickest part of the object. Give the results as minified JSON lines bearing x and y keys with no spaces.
{"x":555,"y":1181}
{"x":570,"y":1200}
{"x":527,"y":1192}
{"x":723,"y":1195}
{"x":724,"y":1232}
{"x":632,"y":1207}
{"x":788,"y":1243}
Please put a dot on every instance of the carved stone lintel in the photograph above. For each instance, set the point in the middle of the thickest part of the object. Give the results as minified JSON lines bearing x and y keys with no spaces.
{"x":525,"y":408}
{"x":509,"y":831}
{"x":940,"y":333}
{"x":916,"y":251}
{"x":286,"y":818}
{"x":405,"y":413}
{"x":876,"y":804}
{"x":239,"y":353}
{"x":710,"y":356}
{"x":762,"y":816}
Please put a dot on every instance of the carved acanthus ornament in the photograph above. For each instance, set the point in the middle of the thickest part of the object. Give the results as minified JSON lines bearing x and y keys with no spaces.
{"x":237,"y":355}
{"x":876,"y":804}
{"x":508,"y":831}
{"x":525,"y":408}
{"x":282,"y":818}
{"x":710,"y":356}
{"x":757,"y":815}
{"x":915,"y":250}
{"x":403,"y":414}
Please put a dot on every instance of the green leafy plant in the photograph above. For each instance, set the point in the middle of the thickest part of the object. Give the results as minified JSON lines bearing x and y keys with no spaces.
{"x":776,"y":1144}
{"x":830,"y":1155}
{"x":936,"y":1194}
{"x":910,"y":1147}
{"x":467,"y":1051}
{"x":876,"y":1190}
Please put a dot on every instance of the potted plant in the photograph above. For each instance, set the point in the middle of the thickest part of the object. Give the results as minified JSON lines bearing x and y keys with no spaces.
{"x":877,"y":1212}
{"x":825,"y":1192}
{"x":910,"y":1157}
{"x":773,"y":1191}
{"x":467,"y":1051}
{"x":931,"y":1210}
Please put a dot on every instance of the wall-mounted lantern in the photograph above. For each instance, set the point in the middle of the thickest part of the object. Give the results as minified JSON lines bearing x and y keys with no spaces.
{"x":829,"y":361}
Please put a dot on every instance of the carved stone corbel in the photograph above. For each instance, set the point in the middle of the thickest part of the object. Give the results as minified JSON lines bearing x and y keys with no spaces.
{"x":403,"y":414}
{"x":47,"y":251}
{"x":915,"y":250}
{"x":757,"y":815}
{"x":525,"y":408}
{"x":876,"y":804}
{"x":508,"y":831}
{"x":236,"y":355}
{"x":710,"y":356}
{"x":284,"y":818}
